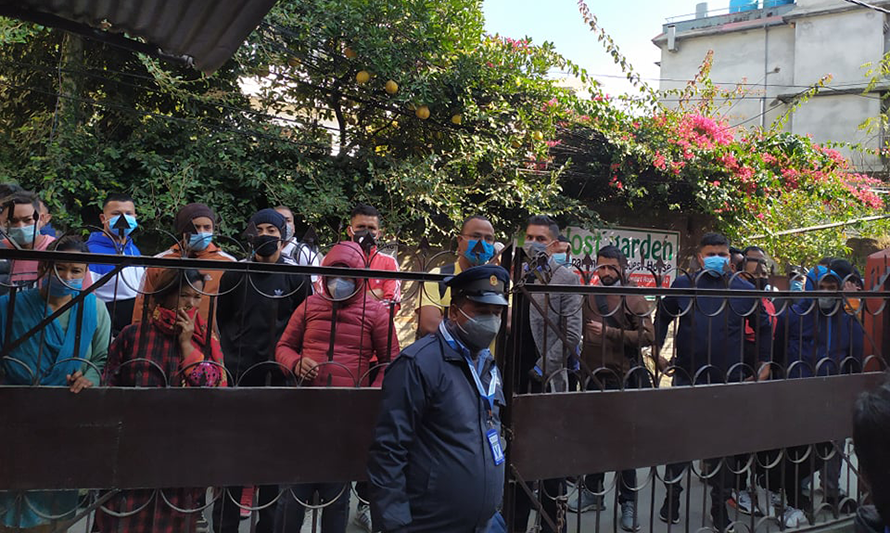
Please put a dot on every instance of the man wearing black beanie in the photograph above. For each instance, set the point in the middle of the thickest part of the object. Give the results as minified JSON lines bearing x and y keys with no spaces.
{"x":254,"y":309}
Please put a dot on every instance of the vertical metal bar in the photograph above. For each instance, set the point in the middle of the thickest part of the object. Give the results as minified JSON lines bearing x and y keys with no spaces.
{"x":211,"y":323}
{"x":244,"y":284}
{"x":391,"y":327}
{"x":142,"y":339}
{"x":10,"y":312}
{"x":254,"y":503}
{"x":511,"y":364}
{"x":330,"y":353}
{"x":78,"y":331}
{"x":40,"y":346}
{"x":316,"y":500}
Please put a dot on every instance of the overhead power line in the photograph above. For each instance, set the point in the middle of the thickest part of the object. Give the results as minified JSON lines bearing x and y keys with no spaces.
{"x":869,"y":6}
{"x":820,"y":227}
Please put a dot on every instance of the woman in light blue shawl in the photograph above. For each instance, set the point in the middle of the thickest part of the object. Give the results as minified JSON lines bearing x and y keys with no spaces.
{"x":51,"y":357}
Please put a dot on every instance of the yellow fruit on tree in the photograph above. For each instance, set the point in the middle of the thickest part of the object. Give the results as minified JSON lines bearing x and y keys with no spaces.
{"x":350,"y":53}
{"x":456,"y":119}
{"x":262,"y":71}
{"x":392,"y":87}
{"x":363,"y":76}
{"x":423,"y":112}
{"x":538,"y":136}
{"x":293,"y":61}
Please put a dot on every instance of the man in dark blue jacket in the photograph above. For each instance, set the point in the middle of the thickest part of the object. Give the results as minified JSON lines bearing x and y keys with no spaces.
{"x":710,"y":338}
{"x":710,"y":348}
{"x":437,"y":462}
{"x":818,"y":337}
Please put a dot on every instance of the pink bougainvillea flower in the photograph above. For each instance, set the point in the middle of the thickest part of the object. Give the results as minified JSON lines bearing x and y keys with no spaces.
{"x":660,"y":161}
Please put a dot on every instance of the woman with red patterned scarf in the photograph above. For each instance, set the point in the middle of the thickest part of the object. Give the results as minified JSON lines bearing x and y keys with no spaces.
{"x":173,"y":349}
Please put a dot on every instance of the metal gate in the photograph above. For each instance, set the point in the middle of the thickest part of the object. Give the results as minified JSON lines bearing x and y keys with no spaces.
{"x":107,"y":441}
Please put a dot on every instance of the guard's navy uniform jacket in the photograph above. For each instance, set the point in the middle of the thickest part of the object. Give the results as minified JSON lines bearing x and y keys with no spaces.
{"x":431,"y":467}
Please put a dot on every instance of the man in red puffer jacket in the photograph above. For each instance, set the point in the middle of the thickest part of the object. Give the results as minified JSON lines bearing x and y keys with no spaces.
{"x":330,"y":341}
{"x":343,"y":325}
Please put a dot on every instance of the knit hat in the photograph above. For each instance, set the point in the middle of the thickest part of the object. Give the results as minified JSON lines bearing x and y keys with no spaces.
{"x":190,"y":212}
{"x":269,"y":216}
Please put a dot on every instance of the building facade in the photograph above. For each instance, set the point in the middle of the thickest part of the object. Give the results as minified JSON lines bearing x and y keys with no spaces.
{"x":778,"y":52}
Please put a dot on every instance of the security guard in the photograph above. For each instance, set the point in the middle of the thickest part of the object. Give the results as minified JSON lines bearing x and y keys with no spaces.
{"x":437,"y":462}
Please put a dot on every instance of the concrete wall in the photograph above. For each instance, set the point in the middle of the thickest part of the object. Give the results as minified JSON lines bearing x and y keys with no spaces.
{"x":839,"y":44}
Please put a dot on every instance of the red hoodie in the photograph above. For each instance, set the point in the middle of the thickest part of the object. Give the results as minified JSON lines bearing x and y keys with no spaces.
{"x":363,"y":331}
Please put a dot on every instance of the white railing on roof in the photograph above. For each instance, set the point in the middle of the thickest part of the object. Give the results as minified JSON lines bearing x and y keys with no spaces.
{"x":693,"y":16}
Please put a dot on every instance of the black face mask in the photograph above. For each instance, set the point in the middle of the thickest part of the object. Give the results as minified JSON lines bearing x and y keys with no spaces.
{"x":761,"y":283}
{"x":265,"y":245}
{"x":365,"y":239}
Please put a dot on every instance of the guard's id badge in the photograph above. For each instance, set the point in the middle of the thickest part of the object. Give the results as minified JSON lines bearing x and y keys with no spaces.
{"x":494,"y":440}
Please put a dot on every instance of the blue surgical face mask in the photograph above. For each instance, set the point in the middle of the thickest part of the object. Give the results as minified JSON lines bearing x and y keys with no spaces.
{"x":200,"y":241}
{"x":714,"y":264}
{"x":797,"y":285}
{"x":131,"y":225}
{"x":479,"y":258}
{"x":23,"y":235}
{"x":561,"y":259}
{"x":58,"y":288}
{"x":340,"y":288}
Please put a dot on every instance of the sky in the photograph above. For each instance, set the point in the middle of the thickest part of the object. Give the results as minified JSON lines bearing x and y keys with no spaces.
{"x":631,"y":23}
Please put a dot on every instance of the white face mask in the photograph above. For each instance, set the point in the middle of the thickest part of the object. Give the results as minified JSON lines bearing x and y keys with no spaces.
{"x":827,"y":304}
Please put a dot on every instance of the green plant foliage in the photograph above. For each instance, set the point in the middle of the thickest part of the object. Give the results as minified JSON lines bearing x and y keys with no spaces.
{"x":311,"y":137}
{"x":410,"y":106}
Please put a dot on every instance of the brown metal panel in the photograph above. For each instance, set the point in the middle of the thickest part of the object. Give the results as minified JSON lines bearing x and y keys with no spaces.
{"x":181,"y":437}
{"x":127,"y":438}
{"x":566,"y":434}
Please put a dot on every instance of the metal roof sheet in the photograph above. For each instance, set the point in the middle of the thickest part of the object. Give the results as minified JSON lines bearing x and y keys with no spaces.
{"x":207,"y":31}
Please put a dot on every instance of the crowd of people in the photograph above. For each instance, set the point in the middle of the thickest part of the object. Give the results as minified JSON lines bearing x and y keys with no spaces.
{"x":438,"y":438}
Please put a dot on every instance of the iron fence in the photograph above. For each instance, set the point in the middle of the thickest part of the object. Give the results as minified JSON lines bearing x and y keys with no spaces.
{"x":745,"y":425}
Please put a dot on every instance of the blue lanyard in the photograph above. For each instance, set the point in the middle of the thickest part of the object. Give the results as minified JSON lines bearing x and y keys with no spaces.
{"x":493,"y":371}
{"x":492,"y":385}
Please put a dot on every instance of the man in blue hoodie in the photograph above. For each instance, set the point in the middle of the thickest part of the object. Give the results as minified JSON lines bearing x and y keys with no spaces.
{"x":710,"y":342}
{"x":118,"y":219}
{"x":816,"y":336}
{"x":824,"y":340}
